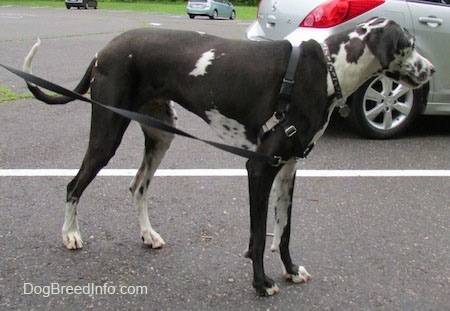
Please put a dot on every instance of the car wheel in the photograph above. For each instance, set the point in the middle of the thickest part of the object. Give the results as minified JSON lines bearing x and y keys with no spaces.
{"x":68,"y":7}
{"x":233,"y":15}
{"x":382,"y":108}
{"x":191,"y":16}
{"x":215,"y":15}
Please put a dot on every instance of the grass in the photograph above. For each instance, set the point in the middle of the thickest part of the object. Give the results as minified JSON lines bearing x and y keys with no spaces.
{"x":243,"y":12}
{"x":8,"y":95}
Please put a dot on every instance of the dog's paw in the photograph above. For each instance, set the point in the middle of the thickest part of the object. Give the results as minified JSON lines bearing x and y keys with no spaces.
{"x":72,"y":239}
{"x":267,"y":291}
{"x":272,"y":290}
{"x":301,"y":277}
{"x":268,"y":288}
{"x":152,"y":239}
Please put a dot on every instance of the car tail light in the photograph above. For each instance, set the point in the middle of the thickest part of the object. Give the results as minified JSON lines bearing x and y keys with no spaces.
{"x":335,"y":12}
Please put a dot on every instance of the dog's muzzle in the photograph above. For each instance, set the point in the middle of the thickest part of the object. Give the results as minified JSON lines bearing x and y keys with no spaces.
{"x":412,"y":72}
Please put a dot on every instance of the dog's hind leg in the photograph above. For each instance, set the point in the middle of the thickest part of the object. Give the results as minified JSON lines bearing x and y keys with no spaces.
{"x":283,"y":189}
{"x":156,"y":145}
{"x":107,"y":129}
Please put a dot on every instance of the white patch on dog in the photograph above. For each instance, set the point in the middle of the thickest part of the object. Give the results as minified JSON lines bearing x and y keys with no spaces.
{"x":202,"y":63}
{"x":228,"y":129}
{"x":352,"y":75}
{"x":281,"y":191}
{"x":70,"y":230}
{"x":302,"y":277}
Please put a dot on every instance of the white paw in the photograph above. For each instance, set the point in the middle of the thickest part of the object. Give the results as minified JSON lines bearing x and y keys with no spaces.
{"x":72,"y":240}
{"x":152,"y":238}
{"x":301,"y":277}
{"x":272,"y":290}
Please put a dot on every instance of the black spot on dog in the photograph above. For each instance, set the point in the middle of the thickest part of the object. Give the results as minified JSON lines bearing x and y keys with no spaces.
{"x":226,"y":127}
{"x":377,"y":21}
{"x":393,"y":75}
{"x":141,"y":190}
{"x":355,"y":48}
{"x":335,"y":41}
{"x":418,"y":65}
{"x":361,"y":31}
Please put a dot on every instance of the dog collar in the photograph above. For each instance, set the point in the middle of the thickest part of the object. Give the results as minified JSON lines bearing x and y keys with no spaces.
{"x":334,"y":78}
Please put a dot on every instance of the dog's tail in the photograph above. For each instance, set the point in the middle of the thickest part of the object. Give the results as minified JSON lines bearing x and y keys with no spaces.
{"x":81,"y":88}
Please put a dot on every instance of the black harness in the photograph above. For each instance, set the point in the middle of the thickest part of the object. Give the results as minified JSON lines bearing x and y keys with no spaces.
{"x":280,"y":118}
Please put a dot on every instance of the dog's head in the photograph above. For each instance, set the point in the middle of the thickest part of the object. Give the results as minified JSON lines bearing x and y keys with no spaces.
{"x":394,"y":48}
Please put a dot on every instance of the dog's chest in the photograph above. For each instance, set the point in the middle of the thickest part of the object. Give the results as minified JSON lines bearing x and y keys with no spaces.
{"x":229,"y":129}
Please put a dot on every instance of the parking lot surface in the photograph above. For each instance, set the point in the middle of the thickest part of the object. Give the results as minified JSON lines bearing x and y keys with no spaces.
{"x":370,"y":243}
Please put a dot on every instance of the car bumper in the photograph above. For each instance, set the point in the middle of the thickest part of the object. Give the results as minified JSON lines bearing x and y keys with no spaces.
{"x":199,"y":11}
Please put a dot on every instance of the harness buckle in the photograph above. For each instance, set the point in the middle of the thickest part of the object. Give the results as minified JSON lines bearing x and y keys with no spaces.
{"x":274,"y":120}
{"x":286,"y":88}
{"x":290,"y":130}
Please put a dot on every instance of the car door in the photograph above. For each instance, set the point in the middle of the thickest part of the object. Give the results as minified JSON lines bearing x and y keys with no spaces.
{"x":224,"y":9}
{"x":431,"y":22}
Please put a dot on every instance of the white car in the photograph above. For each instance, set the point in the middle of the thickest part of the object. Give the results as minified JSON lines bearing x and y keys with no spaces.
{"x":211,"y":8}
{"x":81,"y":4}
{"x":380,"y":108}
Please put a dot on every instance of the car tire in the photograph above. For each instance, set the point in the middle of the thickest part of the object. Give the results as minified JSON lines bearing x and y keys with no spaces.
{"x":215,"y":15}
{"x":68,"y":7}
{"x":233,"y":15}
{"x":191,"y":16}
{"x":383,"y":109}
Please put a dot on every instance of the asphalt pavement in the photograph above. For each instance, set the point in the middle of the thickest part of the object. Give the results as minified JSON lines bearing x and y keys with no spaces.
{"x":370,"y":243}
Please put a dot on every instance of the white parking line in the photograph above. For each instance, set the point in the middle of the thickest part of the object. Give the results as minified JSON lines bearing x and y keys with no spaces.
{"x":225,"y":173}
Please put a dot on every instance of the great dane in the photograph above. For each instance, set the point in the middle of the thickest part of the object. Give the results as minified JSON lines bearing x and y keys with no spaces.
{"x":234,"y":86}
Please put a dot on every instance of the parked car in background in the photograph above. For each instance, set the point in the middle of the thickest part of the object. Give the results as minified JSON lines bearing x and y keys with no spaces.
{"x":211,"y":8}
{"x":380,"y":108}
{"x":81,"y":4}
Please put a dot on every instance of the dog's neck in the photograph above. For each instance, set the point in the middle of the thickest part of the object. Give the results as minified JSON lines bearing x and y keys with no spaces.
{"x":351,"y":71}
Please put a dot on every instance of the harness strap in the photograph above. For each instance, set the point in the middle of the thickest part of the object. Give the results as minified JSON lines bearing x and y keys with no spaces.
{"x":146,"y":120}
{"x":280,"y":118}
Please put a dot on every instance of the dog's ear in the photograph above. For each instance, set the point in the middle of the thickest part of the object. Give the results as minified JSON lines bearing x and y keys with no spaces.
{"x":384,"y":43}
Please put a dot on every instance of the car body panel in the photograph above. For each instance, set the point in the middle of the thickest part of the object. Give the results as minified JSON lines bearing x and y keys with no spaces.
{"x":431,"y":24}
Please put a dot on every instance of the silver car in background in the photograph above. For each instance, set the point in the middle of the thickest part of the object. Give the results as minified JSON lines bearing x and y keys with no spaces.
{"x":211,"y":8}
{"x":380,"y":108}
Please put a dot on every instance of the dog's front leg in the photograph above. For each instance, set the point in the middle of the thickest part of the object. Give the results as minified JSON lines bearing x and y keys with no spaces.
{"x":260,"y":179}
{"x":70,"y":230}
{"x":283,"y":189}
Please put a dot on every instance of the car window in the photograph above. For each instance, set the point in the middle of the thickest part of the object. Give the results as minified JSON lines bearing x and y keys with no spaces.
{"x":444,"y":2}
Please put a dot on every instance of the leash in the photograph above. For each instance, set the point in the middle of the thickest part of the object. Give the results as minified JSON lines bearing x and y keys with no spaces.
{"x":145,"y":120}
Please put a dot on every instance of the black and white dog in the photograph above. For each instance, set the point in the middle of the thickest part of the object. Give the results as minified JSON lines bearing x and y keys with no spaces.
{"x":234,"y":87}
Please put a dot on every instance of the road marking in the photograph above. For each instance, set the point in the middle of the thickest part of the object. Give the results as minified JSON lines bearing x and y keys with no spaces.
{"x":224,"y":173}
